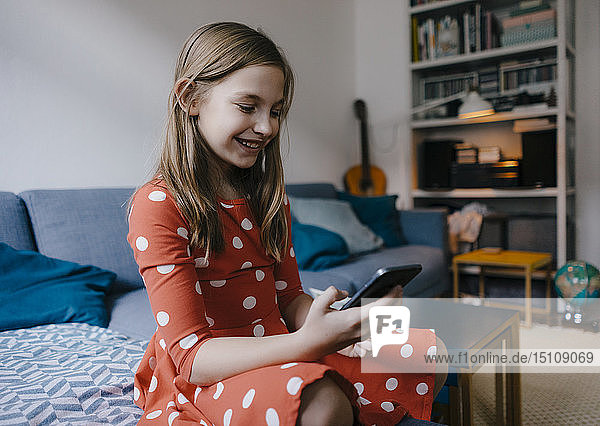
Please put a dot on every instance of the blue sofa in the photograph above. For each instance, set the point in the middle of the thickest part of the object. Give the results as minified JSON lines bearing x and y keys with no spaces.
{"x":89,"y":226}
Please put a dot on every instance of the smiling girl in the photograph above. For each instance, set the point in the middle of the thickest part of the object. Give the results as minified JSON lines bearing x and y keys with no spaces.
{"x":238,"y":341}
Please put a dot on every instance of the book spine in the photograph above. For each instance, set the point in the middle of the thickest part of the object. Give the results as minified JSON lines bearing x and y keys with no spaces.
{"x":415,"y":40}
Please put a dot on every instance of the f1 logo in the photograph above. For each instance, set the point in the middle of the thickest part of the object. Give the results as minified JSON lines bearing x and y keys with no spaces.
{"x":389,"y":325}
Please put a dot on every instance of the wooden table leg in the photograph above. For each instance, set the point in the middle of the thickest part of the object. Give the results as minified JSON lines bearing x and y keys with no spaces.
{"x":455,"y":279}
{"x":481,"y":283}
{"x":528,"y":317}
{"x":465,"y":386}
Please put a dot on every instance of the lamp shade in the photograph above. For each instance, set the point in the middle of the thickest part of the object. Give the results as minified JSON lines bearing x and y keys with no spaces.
{"x":474,"y":106}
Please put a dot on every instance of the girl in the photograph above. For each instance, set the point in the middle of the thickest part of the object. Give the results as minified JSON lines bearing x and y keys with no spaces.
{"x":238,"y":341}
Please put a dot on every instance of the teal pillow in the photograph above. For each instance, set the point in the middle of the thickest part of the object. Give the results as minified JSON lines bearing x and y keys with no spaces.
{"x":317,"y":248}
{"x":336,"y":216}
{"x":36,"y":289}
{"x":380,"y":215}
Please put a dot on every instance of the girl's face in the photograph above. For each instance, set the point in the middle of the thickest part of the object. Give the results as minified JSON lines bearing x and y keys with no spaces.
{"x":240,"y":115}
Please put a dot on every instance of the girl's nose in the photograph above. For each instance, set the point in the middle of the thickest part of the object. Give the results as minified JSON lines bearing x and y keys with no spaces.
{"x":264,"y":125}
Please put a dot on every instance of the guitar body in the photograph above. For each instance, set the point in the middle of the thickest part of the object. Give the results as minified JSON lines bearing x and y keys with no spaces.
{"x":364,"y":180}
{"x":354,"y":177}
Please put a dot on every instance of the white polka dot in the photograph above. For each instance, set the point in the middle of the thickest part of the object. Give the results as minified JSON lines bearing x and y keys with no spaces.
{"x":227,"y":206}
{"x":157,"y":196}
{"x":227,"y":417}
{"x":246,"y":224}
{"x":280,"y":285}
{"x":259,"y":331}
{"x":260,"y":275}
{"x":136,"y":393}
{"x":152,"y":363}
{"x":198,"y":288}
{"x":432,"y":350}
{"x":237,"y":243}
{"x":154,"y":414}
{"x":165,"y":269}
{"x":141,"y":243}
{"x":203,"y":423}
{"x":281,"y":319}
{"x":201,"y":262}
{"x":422,"y":388}
{"x":162,"y":344}
{"x":130,"y":211}
{"x":197,"y":392}
{"x":360,"y":388}
{"x":188,"y":341}
{"x":172,"y":417}
{"x":218,"y":283}
{"x":248,"y":398}
{"x":293,"y":385}
{"x":387,"y":406}
{"x":363,"y":401}
{"x":406,"y":350}
{"x":210,"y":321}
{"x":256,"y":320}
{"x":170,"y":404}
{"x":249,"y":302}
{"x":272,"y":417}
{"x":391,"y":383}
{"x":162,"y":318}
{"x":189,"y":252}
{"x":247,"y":265}
{"x":182,"y":232}
{"x":292,"y":253}
{"x":182,"y":399}
{"x":219,"y":391}
{"x":153,"y":384}
{"x":288,"y":365}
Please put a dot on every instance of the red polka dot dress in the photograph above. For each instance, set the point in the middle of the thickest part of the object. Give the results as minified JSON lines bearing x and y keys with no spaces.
{"x":240,"y":292}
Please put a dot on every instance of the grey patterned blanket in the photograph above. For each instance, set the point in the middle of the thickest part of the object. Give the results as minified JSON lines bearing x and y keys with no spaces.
{"x":68,"y":374}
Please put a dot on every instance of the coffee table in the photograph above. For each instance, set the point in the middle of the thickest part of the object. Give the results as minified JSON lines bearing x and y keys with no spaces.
{"x":525,"y":260}
{"x":475,"y":329}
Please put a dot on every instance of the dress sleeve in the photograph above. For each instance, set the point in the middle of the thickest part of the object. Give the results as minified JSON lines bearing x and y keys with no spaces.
{"x":287,"y":278}
{"x":158,"y":235}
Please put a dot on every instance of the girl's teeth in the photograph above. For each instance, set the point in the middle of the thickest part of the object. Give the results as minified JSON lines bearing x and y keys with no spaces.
{"x":248,"y":144}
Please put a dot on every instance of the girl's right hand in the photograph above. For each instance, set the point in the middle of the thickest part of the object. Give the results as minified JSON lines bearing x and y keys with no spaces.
{"x":327,"y":330}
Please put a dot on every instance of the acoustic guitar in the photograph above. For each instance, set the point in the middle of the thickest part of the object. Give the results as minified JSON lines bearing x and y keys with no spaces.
{"x":365,"y":180}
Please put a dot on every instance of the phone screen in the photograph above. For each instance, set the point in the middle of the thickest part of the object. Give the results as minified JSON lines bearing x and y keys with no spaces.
{"x":383,"y":281}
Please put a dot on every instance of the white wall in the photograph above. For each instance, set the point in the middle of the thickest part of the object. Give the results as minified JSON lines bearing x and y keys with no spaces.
{"x":84,"y":85}
{"x":587,"y":93}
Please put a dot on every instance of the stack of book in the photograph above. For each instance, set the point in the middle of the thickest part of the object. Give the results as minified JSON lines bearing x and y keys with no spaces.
{"x":531,"y":21}
{"x":489,"y":154}
{"x":533,"y":125}
{"x":466,"y":154}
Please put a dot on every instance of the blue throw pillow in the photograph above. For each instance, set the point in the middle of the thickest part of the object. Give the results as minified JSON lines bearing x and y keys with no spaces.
{"x":317,"y":248}
{"x":380,"y":215}
{"x":36,"y":289}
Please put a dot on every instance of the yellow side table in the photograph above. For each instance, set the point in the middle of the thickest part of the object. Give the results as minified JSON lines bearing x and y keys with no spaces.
{"x":526,"y":260}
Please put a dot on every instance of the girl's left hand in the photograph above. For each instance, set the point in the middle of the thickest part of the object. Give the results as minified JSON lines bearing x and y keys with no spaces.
{"x":357,"y":350}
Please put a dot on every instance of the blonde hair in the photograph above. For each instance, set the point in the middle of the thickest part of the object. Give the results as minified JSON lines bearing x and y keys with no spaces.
{"x":190,"y":169}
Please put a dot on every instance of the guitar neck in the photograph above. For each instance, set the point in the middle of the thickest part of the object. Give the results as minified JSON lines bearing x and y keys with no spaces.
{"x":364,"y":145}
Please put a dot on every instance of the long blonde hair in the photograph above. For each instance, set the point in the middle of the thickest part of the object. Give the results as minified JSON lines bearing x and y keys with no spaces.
{"x":189,"y":167}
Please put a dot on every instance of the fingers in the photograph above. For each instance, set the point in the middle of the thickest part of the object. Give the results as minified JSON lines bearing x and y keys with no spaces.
{"x":330,"y":295}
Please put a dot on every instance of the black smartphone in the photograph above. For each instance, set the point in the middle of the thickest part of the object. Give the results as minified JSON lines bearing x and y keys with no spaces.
{"x":382,"y":282}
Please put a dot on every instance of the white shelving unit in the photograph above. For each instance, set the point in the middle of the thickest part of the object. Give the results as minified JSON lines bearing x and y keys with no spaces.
{"x":559,"y":200}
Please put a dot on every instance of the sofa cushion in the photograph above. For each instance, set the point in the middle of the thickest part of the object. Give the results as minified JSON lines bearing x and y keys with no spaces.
{"x":87,"y":226}
{"x":130,"y":314}
{"x":323,"y":279}
{"x":379,"y":214}
{"x":311,"y":190}
{"x":432,"y":281}
{"x":15,"y":228}
{"x":317,"y":248}
{"x":336,"y":216}
{"x":36,"y":290}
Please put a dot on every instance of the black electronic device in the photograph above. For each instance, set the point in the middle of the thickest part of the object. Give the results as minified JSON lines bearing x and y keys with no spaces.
{"x":435,"y":159}
{"x":501,"y":174}
{"x":538,"y":164}
{"x":383,"y":281}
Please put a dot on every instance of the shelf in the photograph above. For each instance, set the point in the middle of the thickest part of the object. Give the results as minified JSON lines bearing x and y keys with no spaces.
{"x":486,"y":54}
{"x":437,"y":6}
{"x":501,"y":116}
{"x":487,"y":193}
{"x":504,"y":272}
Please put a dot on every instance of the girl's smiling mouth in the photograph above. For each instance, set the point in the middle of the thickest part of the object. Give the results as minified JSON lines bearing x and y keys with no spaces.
{"x":247,"y":143}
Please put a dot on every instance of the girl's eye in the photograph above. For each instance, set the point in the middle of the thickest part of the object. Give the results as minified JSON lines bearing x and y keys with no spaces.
{"x":275,"y":114}
{"x":246,"y":108}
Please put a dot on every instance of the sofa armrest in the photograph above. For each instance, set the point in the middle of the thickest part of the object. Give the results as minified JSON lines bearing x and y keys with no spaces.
{"x":428,"y":227}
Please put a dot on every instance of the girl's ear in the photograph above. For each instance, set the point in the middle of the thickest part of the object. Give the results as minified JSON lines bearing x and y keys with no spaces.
{"x":184,"y":89}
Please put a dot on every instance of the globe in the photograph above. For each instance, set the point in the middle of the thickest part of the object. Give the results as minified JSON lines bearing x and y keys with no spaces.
{"x":577,"y":281}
